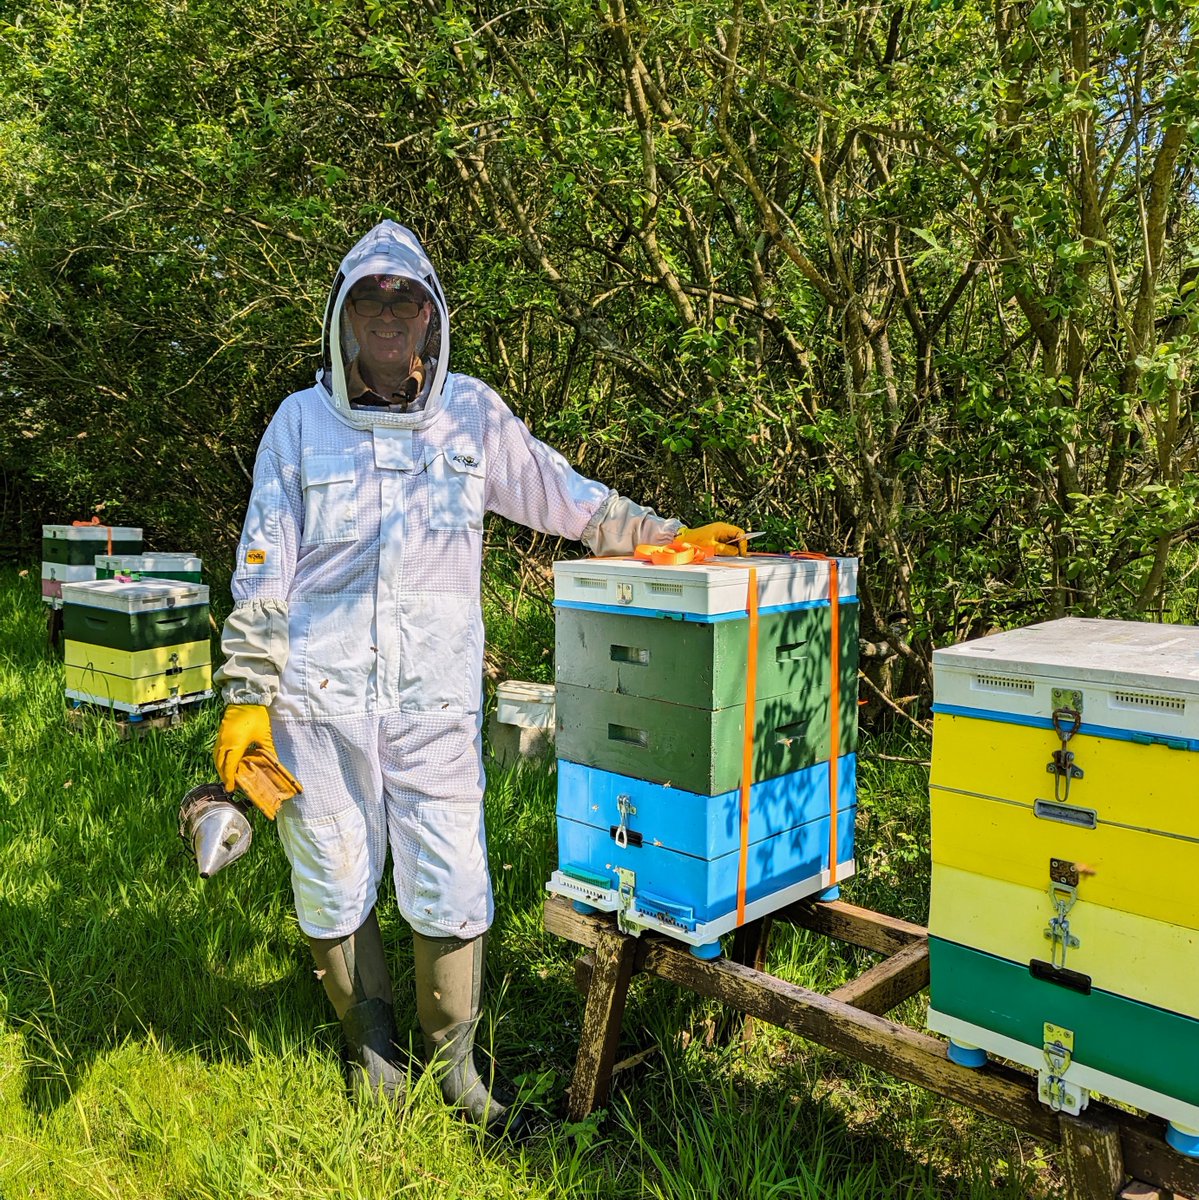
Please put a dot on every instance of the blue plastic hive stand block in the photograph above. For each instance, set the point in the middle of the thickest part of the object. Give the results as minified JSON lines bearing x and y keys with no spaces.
{"x":967,"y":1056}
{"x":708,"y":951}
{"x":1185,"y":1141}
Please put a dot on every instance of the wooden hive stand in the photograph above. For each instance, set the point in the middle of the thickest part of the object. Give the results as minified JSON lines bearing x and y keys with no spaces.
{"x":85,"y":718}
{"x":1106,"y":1152}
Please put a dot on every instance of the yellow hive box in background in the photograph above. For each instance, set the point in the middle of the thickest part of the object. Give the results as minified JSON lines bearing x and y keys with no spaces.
{"x":136,"y":664}
{"x":101,"y":687}
{"x":1064,"y":922}
{"x":1141,"y":785}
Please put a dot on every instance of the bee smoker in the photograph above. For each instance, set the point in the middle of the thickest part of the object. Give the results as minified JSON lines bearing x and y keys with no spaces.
{"x":214,"y":828}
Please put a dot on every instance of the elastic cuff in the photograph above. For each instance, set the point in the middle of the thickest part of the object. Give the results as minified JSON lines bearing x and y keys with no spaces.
{"x":239,"y":694}
{"x":587,"y":537}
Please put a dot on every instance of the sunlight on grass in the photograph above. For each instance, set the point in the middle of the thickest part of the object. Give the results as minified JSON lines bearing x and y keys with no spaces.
{"x":164,"y":1036}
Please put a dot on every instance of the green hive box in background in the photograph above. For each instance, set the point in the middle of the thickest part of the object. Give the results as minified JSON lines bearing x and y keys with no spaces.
{"x":135,"y":631}
{"x":141,"y":615}
{"x":182,"y":567}
{"x":78,"y":545}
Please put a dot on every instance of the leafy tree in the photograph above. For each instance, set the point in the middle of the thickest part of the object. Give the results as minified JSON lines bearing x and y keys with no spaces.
{"x":911,"y":282}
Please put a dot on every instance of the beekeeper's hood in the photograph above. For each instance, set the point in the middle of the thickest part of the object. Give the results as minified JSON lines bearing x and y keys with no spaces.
{"x":388,"y":250}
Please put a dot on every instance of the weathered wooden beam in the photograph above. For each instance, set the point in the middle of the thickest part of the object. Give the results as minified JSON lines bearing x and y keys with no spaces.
{"x":561,"y":917}
{"x":1092,"y":1161}
{"x":888,"y":983}
{"x":997,"y":1090}
{"x":857,"y":926}
{"x":584,"y":969}
{"x":600,"y":1035}
{"x":751,"y":944}
{"x":1147,"y":1157}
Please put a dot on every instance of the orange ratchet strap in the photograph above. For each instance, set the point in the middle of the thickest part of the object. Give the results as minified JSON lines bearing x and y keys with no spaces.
{"x":747,"y":744}
{"x":834,"y":723}
{"x":96,"y":521}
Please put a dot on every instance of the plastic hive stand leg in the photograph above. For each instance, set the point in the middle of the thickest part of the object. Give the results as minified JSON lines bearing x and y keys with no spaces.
{"x":967,"y":1056}
{"x":1185,"y":1141}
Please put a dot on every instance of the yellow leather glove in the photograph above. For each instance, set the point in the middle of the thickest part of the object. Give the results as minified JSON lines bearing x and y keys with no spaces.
{"x":726,"y":539}
{"x":242,"y":726}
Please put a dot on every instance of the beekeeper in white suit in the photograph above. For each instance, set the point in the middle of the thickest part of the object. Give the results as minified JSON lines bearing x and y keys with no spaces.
{"x":355,"y":647}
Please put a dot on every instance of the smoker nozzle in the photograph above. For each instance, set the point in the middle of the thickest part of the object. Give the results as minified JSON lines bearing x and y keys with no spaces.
{"x":214,"y":828}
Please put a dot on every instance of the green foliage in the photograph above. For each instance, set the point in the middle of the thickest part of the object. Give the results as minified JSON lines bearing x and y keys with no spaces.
{"x":915,"y":284}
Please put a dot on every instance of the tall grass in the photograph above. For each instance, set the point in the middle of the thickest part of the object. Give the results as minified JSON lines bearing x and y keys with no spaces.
{"x":164,"y":1036}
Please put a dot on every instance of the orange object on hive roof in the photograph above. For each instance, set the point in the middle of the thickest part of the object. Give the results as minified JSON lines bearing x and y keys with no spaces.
{"x":675,"y":554}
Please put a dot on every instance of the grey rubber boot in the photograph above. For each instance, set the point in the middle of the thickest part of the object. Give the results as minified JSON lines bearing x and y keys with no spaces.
{"x":449,"y":990}
{"x":353,"y":971}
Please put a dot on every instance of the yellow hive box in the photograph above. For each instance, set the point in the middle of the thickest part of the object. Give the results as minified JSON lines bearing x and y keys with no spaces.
{"x":102,"y":687}
{"x":1124,"y":783}
{"x":1134,"y":870}
{"x":136,"y":664}
{"x":1154,"y":962}
{"x":1064,"y":915}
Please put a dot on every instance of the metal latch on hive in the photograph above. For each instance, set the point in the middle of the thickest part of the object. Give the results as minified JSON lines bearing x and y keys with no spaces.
{"x":626,"y":900}
{"x":1064,"y":898}
{"x":1066,"y":722}
{"x":624,"y":805}
{"x":1052,"y":1087}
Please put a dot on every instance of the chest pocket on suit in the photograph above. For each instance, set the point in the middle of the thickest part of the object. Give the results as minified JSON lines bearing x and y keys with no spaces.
{"x":456,"y":488}
{"x":329,"y":499}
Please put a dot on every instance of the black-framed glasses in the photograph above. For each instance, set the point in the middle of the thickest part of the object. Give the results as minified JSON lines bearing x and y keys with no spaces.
{"x":370,"y":306}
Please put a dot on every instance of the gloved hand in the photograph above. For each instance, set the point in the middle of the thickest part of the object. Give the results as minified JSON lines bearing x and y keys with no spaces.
{"x":719,"y":534}
{"x":242,"y":726}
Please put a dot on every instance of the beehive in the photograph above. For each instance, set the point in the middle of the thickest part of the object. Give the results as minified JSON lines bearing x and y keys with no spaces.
{"x":69,"y":553}
{"x":136,"y":647}
{"x":186,"y":568}
{"x":651,"y":666}
{"x":1064,"y":924}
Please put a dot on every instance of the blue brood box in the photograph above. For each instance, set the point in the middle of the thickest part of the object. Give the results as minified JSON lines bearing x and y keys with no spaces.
{"x":651,"y":666}
{"x":684,"y":848}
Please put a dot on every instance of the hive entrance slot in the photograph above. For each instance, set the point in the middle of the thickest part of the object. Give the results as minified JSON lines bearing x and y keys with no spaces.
{"x":628,"y":734}
{"x":638,"y":655}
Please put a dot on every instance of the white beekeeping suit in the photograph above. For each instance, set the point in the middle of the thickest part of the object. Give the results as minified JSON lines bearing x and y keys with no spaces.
{"x":357,"y":621}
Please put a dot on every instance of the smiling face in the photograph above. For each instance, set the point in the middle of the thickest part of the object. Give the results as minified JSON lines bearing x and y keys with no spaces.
{"x":389,"y":317}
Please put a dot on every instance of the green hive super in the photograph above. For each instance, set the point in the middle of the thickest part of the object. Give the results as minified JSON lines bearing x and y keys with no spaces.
{"x":137,"y":647}
{"x":170,"y":564}
{"x":651,"y":706}
{"x":1064,"y":923}
{"x":69,"y":553}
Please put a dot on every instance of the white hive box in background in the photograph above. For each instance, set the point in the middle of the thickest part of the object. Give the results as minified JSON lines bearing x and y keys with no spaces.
{"x":527,"y":705}
{"x":154,"y":564}
{"x":1138,"y":677}
{"x":146,"y":595}
{"x":69,"y":553}
{"x":522,"y":725}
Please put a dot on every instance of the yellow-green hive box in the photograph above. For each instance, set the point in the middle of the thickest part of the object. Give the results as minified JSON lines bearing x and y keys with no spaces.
{"x":1065,"y":851}
{"x":138,"y":645}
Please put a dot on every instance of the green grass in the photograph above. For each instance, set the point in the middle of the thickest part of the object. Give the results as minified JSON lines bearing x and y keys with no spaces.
{"x":163,"y":1036}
